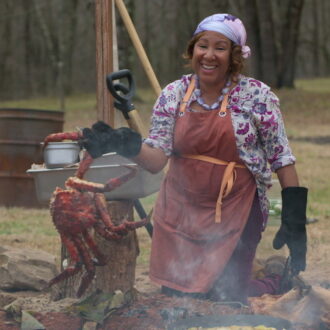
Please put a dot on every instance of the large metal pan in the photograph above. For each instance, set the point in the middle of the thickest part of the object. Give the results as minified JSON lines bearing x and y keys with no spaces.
{"x":231,"y":320}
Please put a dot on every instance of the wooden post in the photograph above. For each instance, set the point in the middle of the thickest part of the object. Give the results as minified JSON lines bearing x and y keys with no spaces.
{"x":119,"y":273}
{"x":104,"y":59}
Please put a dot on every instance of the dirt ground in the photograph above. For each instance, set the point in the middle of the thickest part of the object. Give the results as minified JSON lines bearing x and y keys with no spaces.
{"x":150,"y":310}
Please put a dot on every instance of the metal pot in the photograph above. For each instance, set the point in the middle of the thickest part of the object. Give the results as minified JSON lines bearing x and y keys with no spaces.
{"x":60,"y":154}
{"x":231,"y":320}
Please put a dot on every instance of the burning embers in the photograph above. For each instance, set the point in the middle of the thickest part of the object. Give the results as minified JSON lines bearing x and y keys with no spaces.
{"x":80,"y":207}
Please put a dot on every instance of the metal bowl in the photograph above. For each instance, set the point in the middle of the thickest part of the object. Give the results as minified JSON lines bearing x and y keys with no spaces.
{"x":61,"y":154}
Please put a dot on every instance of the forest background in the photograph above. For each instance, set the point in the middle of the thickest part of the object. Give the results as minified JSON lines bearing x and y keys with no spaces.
{"x":47,"y":48}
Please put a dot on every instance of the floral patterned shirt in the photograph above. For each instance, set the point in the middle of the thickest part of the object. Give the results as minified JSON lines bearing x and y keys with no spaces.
{"x":257,"y":121}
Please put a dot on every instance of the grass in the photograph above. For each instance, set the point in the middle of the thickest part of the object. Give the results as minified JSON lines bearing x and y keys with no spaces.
{"x":318,"y":85}
{"x":28,"y":228}
{"x":306,"y":112}
{"x":11,"y":221}
{"x":72,"y":103}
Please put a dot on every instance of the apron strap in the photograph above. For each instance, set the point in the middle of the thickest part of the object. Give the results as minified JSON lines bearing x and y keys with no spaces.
{"x":186,"y":98}
{"x":227,"y":181}
{"x":223,"y":108}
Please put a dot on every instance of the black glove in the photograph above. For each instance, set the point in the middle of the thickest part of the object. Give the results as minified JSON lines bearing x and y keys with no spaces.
{"x":102,"y":139}
{"x":293,"y":228}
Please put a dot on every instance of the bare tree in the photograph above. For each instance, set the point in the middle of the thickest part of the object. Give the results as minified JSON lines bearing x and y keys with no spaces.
{"x":6,"y":8}
{"x":287,"y":53}
{"x":59,"y":36}
{"x":48,"y":47}
{"x":273,"y":30}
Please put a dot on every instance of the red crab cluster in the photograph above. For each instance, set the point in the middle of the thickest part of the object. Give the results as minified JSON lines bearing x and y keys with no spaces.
{"x":80,"y":207}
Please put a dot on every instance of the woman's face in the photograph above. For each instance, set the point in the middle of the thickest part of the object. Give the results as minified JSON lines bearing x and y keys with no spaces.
{"x":211,"y":58}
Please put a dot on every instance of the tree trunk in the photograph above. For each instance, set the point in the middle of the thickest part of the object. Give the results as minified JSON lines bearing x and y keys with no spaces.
{"x":289,"y":42}
{"x":267,"y":51}
{"x":5,"y":51}
{"x":119,"y":272}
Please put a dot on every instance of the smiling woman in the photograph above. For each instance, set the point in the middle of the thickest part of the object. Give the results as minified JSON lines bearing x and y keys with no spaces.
{"x":223,"y":134}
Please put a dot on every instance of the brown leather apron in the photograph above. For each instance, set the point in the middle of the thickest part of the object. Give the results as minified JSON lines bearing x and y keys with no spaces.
{"x":189,"y":248}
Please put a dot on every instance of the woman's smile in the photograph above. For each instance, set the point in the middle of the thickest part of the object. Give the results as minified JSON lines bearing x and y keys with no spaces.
{"x":208,"y":67}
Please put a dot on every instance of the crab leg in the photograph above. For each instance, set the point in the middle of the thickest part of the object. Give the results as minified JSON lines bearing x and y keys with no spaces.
{"x":103,"y":231}
{"x":75,"y":264}
{"x":58,"y":137}
{"x":89,"y":265}
{"x":84,"y":165}
{"x":117,"y":182}
{"x":101,"y":260}
{"x":121,"y":229}
{"x":83,"y":185}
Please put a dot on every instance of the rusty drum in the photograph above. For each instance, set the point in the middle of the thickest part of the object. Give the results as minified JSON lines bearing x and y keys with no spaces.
{"x":21,"y":132}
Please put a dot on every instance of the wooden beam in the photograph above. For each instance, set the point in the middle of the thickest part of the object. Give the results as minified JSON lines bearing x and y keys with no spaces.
{"x":104,"y":59}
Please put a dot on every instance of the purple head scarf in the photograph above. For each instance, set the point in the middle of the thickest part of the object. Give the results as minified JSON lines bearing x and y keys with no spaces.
{"x":228,"y":25}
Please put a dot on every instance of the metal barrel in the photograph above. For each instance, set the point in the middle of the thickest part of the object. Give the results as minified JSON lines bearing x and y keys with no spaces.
{"x":21,"y":132}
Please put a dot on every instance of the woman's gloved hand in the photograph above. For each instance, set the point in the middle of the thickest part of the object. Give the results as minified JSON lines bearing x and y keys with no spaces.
{"x":293,"y":228}
{"x":102,"y":138}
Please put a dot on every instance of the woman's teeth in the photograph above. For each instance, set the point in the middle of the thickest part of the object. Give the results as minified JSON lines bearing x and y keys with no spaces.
{"x":208,"y":67}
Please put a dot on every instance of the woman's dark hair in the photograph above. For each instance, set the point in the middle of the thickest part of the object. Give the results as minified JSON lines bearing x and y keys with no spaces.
{"x":236,"y":60}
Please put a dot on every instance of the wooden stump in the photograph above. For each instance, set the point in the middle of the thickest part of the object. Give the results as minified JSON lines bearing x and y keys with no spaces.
{"x":119,"y":273}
